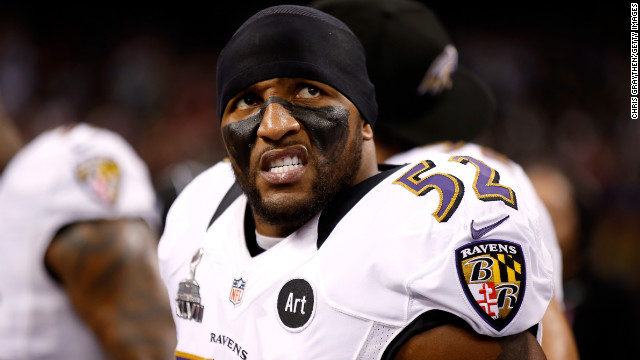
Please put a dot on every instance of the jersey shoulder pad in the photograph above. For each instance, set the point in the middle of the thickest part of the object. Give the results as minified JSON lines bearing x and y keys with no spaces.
{"x":189,"y":215}
{"x":448,"y":227}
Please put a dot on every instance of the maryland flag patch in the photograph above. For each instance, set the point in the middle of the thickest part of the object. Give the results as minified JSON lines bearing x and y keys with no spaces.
{"x":101,"y":178}
{"x":492,"y":274}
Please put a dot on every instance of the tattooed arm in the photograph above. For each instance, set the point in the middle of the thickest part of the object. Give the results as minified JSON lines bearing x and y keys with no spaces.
{"x":109,"y":270}
{"x":454,"y":343}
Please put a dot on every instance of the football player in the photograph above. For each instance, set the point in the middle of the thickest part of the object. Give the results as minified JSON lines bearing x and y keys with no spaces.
{"x":302,"y":247}
{"x":78,"y":264}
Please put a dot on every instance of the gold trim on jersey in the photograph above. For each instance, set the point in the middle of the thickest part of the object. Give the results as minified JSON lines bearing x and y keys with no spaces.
{"x":184,"y":355}
{"x":422,"y":187}
{"x":492,"y":181}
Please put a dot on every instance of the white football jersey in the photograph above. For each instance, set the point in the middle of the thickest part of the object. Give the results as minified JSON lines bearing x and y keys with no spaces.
{"x":502,"y":165}
{"x":416,"y":246}
{"x":65,"y":175}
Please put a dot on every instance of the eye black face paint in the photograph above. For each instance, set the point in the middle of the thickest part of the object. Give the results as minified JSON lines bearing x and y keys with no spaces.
{"x":275,"y":100}
{"x":240,"y":138}
{"x":327,"y":127}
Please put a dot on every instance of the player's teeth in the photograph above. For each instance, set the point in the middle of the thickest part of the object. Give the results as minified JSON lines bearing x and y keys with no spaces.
{"x":285,"y":164}
{"x":285,"y":168}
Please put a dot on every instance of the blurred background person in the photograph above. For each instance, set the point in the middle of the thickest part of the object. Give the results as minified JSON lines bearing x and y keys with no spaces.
{"x":585,"y":289}
{"x":78,"y":236}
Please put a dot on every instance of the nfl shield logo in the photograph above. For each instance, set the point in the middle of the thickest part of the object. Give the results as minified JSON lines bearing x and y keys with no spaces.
{"x":237,"y":290}
{"x":493,"y":275}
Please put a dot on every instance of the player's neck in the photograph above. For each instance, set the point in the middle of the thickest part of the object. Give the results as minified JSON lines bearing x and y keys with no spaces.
{"x":368,"y":164}
{"x":270,"y":230}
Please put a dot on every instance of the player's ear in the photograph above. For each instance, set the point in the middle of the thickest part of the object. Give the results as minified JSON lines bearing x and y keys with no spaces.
{"x":367,"y":131}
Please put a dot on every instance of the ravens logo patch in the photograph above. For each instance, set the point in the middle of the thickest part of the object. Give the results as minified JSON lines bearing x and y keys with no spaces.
{"x":492,"y":274}
{"x":101,"y":178}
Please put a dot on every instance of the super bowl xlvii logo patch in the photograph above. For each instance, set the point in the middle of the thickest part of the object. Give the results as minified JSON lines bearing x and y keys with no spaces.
{"x":188,"y":304}
{"x":101,"y":178}
{"x":492,"y":274}
{"x":237,"y":290}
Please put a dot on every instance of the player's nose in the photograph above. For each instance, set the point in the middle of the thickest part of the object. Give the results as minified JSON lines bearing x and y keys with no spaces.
{"x":277,"y":122}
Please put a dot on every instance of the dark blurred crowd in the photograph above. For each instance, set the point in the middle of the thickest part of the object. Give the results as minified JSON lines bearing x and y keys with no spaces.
{"x":560,"y":77}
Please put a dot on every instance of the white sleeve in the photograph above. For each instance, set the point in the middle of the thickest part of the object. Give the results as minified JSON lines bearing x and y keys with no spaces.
{"x":506,"y":167}
{"x":98,"y":176}
{"x":440,"y":240}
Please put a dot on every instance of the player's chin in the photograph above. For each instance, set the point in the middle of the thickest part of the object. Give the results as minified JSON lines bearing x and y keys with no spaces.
{"x":282,"y":197}
{"x":288,"y":209}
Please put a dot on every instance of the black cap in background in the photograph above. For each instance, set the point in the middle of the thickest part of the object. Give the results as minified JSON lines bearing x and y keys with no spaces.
{"x":423,"y":94}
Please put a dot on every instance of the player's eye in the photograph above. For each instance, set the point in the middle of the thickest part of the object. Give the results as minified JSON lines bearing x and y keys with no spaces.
{"x":309,"y":91}
{"x":246,"y":101}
